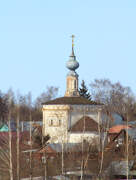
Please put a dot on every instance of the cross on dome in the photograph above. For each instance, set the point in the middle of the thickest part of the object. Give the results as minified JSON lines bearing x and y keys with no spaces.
{"x":72,"y":64}
{"x":73,"y":36}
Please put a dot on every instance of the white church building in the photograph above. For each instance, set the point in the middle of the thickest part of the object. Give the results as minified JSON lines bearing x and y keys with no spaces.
{"x":72,"y":119}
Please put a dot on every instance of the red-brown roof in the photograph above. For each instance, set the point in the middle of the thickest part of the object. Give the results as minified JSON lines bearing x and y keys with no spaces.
{"x":46,"y":149}
{"x":5,"y":135}
{"x":85,"y":124}
{"x":26,"y":147}
{"x":118,"y":128}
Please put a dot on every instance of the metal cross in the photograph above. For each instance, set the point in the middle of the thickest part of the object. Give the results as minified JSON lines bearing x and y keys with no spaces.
{"x":73,"y":40}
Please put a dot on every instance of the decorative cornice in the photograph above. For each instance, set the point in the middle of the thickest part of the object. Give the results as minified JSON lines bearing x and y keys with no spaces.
{"x":56,"y":107}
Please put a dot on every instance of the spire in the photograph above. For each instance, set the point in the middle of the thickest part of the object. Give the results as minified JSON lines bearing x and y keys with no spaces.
{"x":73,"y":55}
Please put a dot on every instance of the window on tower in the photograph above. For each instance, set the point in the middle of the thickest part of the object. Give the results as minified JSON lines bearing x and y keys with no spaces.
{"x":59,"y":122}
{"x":75,"y":84}
{"x":51,"y":122}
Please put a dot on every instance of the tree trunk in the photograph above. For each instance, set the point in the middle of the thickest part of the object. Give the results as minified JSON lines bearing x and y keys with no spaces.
{"x":18,"y":159}
{"x":10,"y":147}
{"x":30,"y":155}
{"x":45,"y":170}
{"x":127,"y":168}
{"x":62,"y":162}
{"x":22,"y":126}
{"x":82,"y":163}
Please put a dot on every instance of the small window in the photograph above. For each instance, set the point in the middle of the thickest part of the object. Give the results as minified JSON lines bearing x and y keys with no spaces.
{"x":59,"y":122}
{"x":51,"y":123}
{"x":75,"y":84}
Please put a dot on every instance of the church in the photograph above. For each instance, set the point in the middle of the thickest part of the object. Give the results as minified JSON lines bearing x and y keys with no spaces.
{"x":71,"y":119}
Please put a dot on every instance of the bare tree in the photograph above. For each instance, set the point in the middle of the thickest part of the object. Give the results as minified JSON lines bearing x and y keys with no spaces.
{"x":48,"y":95}
{"x":114,"y":96}
{"x":3,"y":108}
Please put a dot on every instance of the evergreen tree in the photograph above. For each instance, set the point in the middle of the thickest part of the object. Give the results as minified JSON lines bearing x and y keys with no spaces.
{"x":83,"y":91}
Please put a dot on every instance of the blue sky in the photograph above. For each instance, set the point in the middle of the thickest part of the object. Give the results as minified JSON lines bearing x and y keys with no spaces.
{"x":35,"y":42}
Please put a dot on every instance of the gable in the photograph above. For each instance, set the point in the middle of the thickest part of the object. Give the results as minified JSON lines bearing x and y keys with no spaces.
{"x":85,"y":124}
{"x":4,"y":128}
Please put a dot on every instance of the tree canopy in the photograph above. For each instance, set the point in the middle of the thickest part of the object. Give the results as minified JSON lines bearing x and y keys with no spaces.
{"x":83,"y":91}
{"x":11,"y":101}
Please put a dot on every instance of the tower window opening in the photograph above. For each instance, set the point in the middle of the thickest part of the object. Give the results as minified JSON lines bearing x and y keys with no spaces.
{"x":51,"y":122}
{"x":75,"y":84}
{"x":59,"y":122}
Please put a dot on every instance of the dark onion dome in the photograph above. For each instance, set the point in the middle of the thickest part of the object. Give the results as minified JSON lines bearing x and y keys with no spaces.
{"x":71,"y":101}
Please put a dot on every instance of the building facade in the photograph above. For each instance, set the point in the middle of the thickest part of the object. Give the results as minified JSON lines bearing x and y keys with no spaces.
{"x":62,"y":114}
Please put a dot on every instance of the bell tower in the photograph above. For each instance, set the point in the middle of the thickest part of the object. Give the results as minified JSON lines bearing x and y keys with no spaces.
{"x":72,"y":76}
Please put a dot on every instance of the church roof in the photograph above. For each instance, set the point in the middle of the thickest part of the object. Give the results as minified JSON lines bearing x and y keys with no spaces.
{"x":71,"y":101}
{"x":86,"y":124}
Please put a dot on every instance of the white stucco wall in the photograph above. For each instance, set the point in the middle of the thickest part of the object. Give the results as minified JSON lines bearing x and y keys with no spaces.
{"x":56,"y":113}
{"x":79,"y":137}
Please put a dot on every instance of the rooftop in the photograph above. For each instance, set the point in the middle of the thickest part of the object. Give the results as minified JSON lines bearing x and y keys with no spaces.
{"x":86,"y":124}
{"x":118,"y":128}
{"x":71,"y":101}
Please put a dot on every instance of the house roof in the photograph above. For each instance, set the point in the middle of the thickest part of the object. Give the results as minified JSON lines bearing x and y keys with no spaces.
{"x":47,"y":149}
{"x":4,"y":128}
{"x":72,"y":101}
{"x":85,"y":124}
{"x":57,"y":148}
{"x":27,"y":147}
{"x":5,"y":135}
{"x":118,"y":128}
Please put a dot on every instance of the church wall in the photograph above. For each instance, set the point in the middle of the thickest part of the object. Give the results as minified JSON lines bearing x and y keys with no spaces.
{"x":55,"y":118}
{"x":79,"y":137}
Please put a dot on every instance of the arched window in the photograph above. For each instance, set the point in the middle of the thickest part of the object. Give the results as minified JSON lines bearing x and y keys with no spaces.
{"x":59,"y":122}
{"x":51,"y":122}
{"x":75,"y":84}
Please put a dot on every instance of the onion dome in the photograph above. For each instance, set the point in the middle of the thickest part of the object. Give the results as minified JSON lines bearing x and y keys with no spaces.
{"x":72,"y":64}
